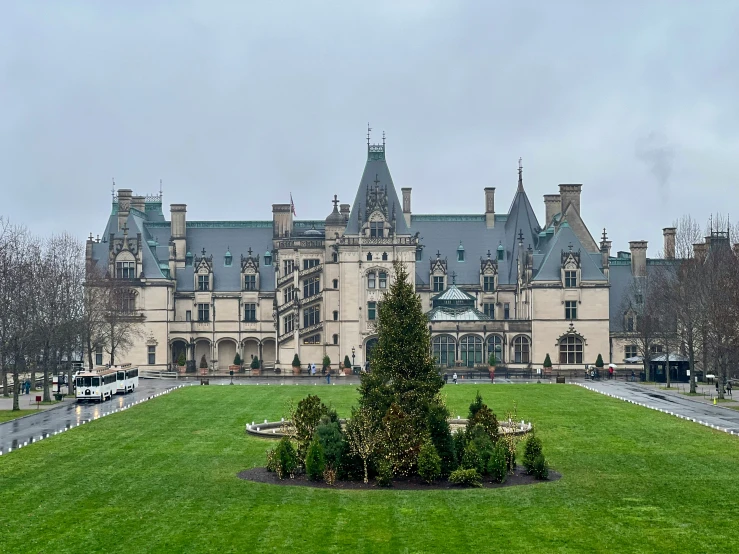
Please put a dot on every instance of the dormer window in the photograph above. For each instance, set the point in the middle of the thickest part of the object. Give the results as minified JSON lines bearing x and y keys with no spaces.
{"x":268,"y":258}
{"x":571,"y":278}
{"x":501,"y":253}
{"x":250,"y":282}
{"x":419,"y":254}
{"x":228,"y":259}
{"x":203,"y":282}
{"x":438,"y":283}
{"x":488,"y":283}
{"x":188,"y":259}
{"x":125,"y":270}
{"x":460,"y":252}
{"x":377,"y":229}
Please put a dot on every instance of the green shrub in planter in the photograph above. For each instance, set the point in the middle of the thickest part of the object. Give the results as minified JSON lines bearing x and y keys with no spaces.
{"x":532,"y":449}
{"x":255,"y":363}
{"x":315,"y":461}
{"x":326,"y":363}
{"x":540,"y":468}
{"x":429,"y":462}
{"x":347,"y":363}
{"x":497,"y":464}
{"x":296,"y":361}
{"x":287,"y":458}
{"x":237,"y":359}
{"x":181,"y":360}
{"x":203,"y":363}
{"x":548,"y":361}
{"x":599,"y":362}
{"x":466,"y":478}
{"x":384,"y":473}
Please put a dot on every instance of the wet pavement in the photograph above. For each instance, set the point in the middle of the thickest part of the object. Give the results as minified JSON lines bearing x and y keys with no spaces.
{"x":67,"y":415}
{"x":671,"y":402}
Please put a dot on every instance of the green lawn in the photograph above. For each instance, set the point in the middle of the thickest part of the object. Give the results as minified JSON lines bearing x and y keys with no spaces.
{"x":7,"y":415}
{"x":161,"y":477}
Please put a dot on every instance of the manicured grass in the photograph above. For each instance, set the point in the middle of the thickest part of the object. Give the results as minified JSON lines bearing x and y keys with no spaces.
{"x":7,"y":415}
{"x":160,"y":477}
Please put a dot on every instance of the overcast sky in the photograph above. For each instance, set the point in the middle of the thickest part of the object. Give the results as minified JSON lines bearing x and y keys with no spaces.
{"x":236,"y":104}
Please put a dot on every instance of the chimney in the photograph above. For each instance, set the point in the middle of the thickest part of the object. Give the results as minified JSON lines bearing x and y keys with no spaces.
{"x":605,"y":253}
{"x":638,"y":258}
{"x":407,"y":205}
{"x":282,"y":220}
{"x":700,"y":249}
{"x":88,"y":251}
{"x":345,"y":210}
{"x":138,"y":203}
{"x":570,"y":194}
{"x":668,"y":233}
{"x":124,"y":205}
{"x":490,"y":207}
{"x":553,"y":206}
{"x":178,"y":230}
{"x":172,"y":260}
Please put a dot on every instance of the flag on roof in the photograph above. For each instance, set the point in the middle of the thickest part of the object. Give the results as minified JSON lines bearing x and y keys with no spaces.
{"x":292,"y":205}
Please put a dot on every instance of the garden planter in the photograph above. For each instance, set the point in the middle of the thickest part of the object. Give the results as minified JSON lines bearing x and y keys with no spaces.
{"x":347,"y":371}
{"x":296,"y":370}
{"x":181,"y":369}
{"x":234,"y":368}
{"x":256,"y":372}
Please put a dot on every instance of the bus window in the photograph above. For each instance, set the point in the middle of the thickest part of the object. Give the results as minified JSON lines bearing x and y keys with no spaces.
{"x":121,"y":375}
{"x":96,"y":381}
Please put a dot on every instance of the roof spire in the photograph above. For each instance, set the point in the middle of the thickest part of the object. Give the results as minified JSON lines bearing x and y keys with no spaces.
{"x":112,"y":189}
{"x":520,"y":175}
{"x":369,"y":129}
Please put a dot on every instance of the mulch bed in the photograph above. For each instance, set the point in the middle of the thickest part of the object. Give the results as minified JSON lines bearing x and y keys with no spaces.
{"x":261,"y":475}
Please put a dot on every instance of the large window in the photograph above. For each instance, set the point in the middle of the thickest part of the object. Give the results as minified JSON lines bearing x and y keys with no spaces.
{"x":506,"y":311}
{"x":311,"y":316}
{"x":250,"y":282}
{"x":311,"y":287}
{"x":371,"y":310}
{"x":571,"y":278}
{"x":203,"y":282}
{"x":438,"y":283}
{"x":495,"y":346}
{"x":313,"y":339}
{"x":151,"y":352}
{"x":288,"y":323}
{"x":127,"y":302}
{"x":125,"y":270}
{"x":250,"y":312}
{"x":383,"y":280}
{"x":203,"y":312}
{"x":488,"y":283}
{"x":630,"y":351}
{"x":288,"y":266}
{"x":371,"y":280}
{"x":656,"y":349}
{"x":288,"y":294}
{"x":570,"y":350}
{"x":470,"y":350}
{"x":521,"y":350}
{"x":443,"y":350}
{"x":310,"y":262}
{"x":377,"y":229}
{"x":630,"y":327}
{"x":570,"y":309}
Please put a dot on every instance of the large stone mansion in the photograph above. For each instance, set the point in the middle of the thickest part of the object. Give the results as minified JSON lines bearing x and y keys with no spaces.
{"x":492,"y":282}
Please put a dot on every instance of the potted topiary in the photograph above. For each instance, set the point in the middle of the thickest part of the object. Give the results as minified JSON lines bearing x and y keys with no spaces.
{"x":296,"y":364}
{"x":599,"y":365}
{"x":255,"y":366}
{"x":326,"y":365}
{"x":203,"y":366}
{"x":347,"y":366}
{"x":236,"y":365}
{"x":547,"y":365}
{"x":181,"y":363}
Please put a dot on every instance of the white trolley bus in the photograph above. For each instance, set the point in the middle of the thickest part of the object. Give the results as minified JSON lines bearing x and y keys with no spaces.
{"x":127,"y":378}
{"x":96,"y":385}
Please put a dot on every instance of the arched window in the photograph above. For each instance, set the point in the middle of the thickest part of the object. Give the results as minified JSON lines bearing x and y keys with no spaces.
{"x":495,"y":346}
{"x":336,"y":315}
{"x":336,"y":339}
{"x":570,"y":350}
{"x":369,"y":256}
{"x":443,"y":350}
{"x":521,"y":350}
{"x":335,"y":257}
{"x":336,"y":283}
{"x":384,"y":256}
{"x":470,"y":350}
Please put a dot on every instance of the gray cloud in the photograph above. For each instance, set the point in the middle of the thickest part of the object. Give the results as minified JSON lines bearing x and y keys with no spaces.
{"x":235,"y":105}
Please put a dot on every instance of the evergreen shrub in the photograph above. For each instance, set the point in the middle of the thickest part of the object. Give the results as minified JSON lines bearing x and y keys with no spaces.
{"x":429,"y":462}
{"x":384,"y":473}
{"x":315,"y":462}
{"x":466,"y":478}
{"x":287,"y":458}
{"x":497,"y":465}
{"x":540,"y":468}
{"x":532,"y":449}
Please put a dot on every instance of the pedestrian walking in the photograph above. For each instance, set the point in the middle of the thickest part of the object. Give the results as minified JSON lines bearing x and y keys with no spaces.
{"x":610,"y":372}
{"x":454,"y":377}
{"x":328,"y":377}
{"x":728,"y":387}
{"x":446,"y":378}
{"x":313,"y":369}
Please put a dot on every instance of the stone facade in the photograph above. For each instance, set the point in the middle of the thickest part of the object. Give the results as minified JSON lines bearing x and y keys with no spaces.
{"x":271,"y":289}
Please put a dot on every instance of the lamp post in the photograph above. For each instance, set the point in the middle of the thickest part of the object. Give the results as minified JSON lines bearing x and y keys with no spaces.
{"x":353,"y":351}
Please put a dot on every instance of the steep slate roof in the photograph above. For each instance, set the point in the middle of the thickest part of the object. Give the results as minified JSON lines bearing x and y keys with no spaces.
{"x":376,"y":168}
{"x":551,"y":266}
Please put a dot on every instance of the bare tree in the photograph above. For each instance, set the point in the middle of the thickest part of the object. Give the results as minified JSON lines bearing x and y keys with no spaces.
{"x":363,"y":436}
